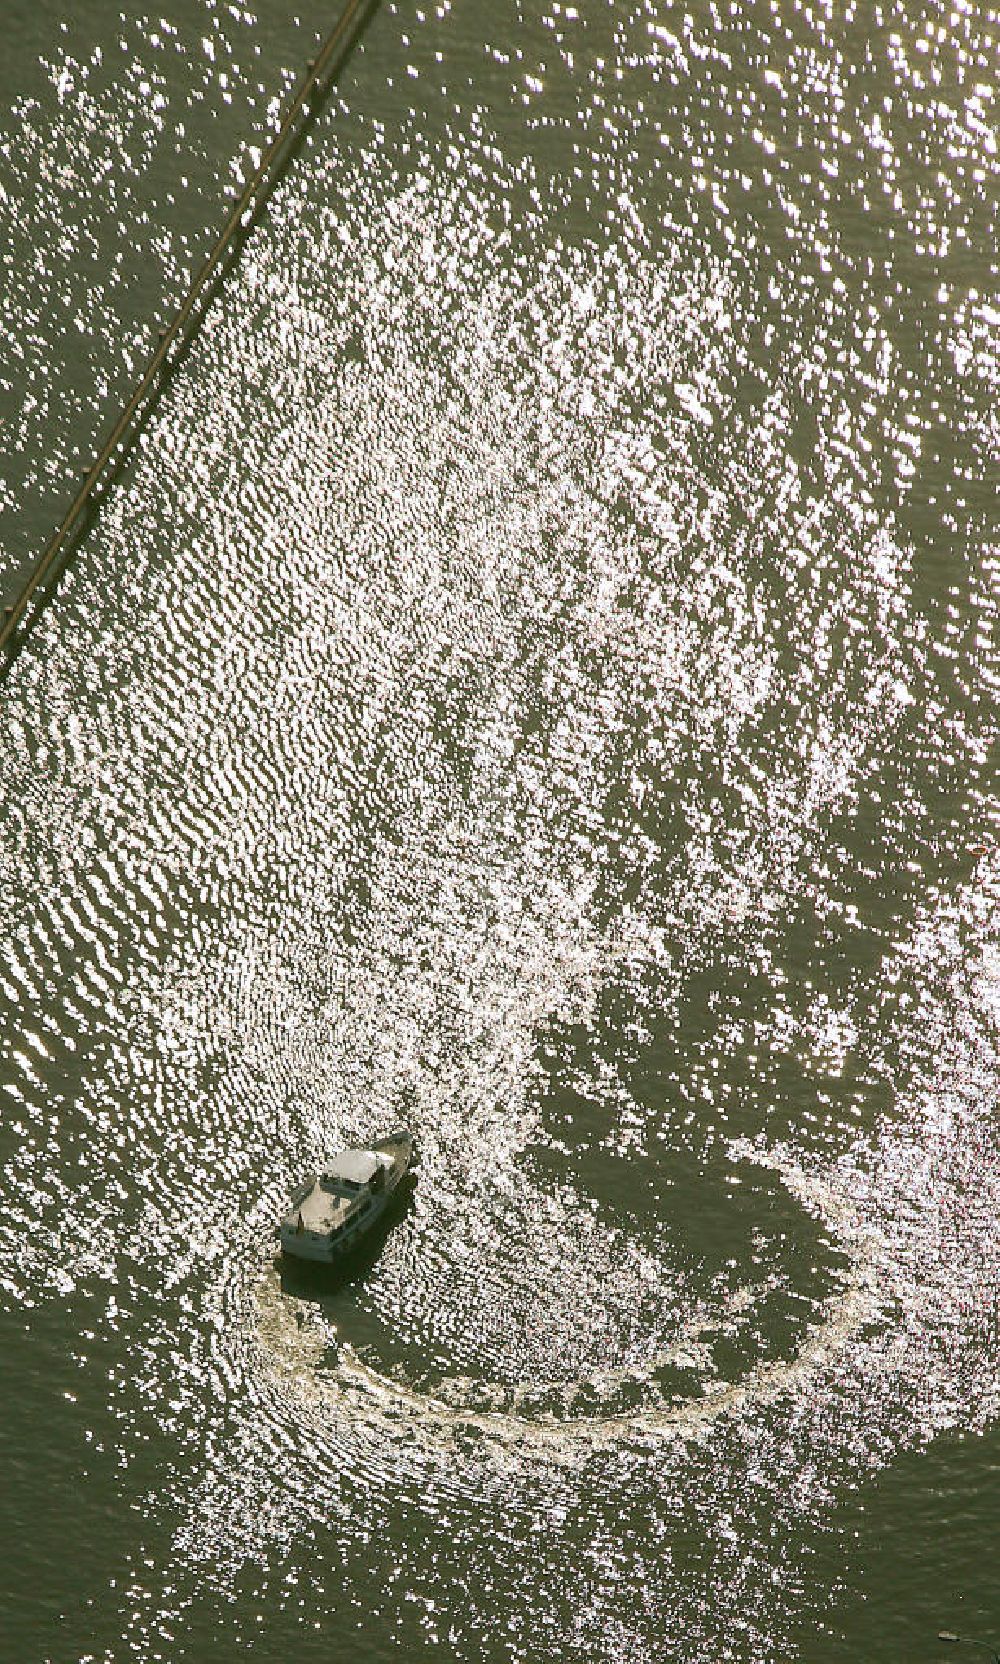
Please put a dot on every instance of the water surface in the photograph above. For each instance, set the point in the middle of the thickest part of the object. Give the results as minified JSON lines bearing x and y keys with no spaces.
{"x":539,"y":666}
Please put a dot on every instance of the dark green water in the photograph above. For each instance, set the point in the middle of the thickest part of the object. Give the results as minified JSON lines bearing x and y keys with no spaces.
{"x":541,"y":657}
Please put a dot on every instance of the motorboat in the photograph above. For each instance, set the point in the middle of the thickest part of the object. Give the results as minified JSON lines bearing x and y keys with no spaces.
{"x":332,"y":1211}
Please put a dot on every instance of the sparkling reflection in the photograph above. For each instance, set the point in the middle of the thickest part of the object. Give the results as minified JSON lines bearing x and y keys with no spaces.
{"x":541,"y":658}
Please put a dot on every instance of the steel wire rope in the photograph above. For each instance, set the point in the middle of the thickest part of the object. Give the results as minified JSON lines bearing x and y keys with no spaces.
{"x":330,"y":58}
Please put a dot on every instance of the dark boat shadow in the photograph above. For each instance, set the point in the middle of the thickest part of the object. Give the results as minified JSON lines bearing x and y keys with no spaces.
{"x":307,"y":1280}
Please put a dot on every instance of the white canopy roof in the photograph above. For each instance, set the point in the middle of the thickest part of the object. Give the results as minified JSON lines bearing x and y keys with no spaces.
{"x":356,"y":1166}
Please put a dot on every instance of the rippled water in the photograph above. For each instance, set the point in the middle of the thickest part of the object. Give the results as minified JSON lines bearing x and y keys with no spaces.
{"x":536,"y":673}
